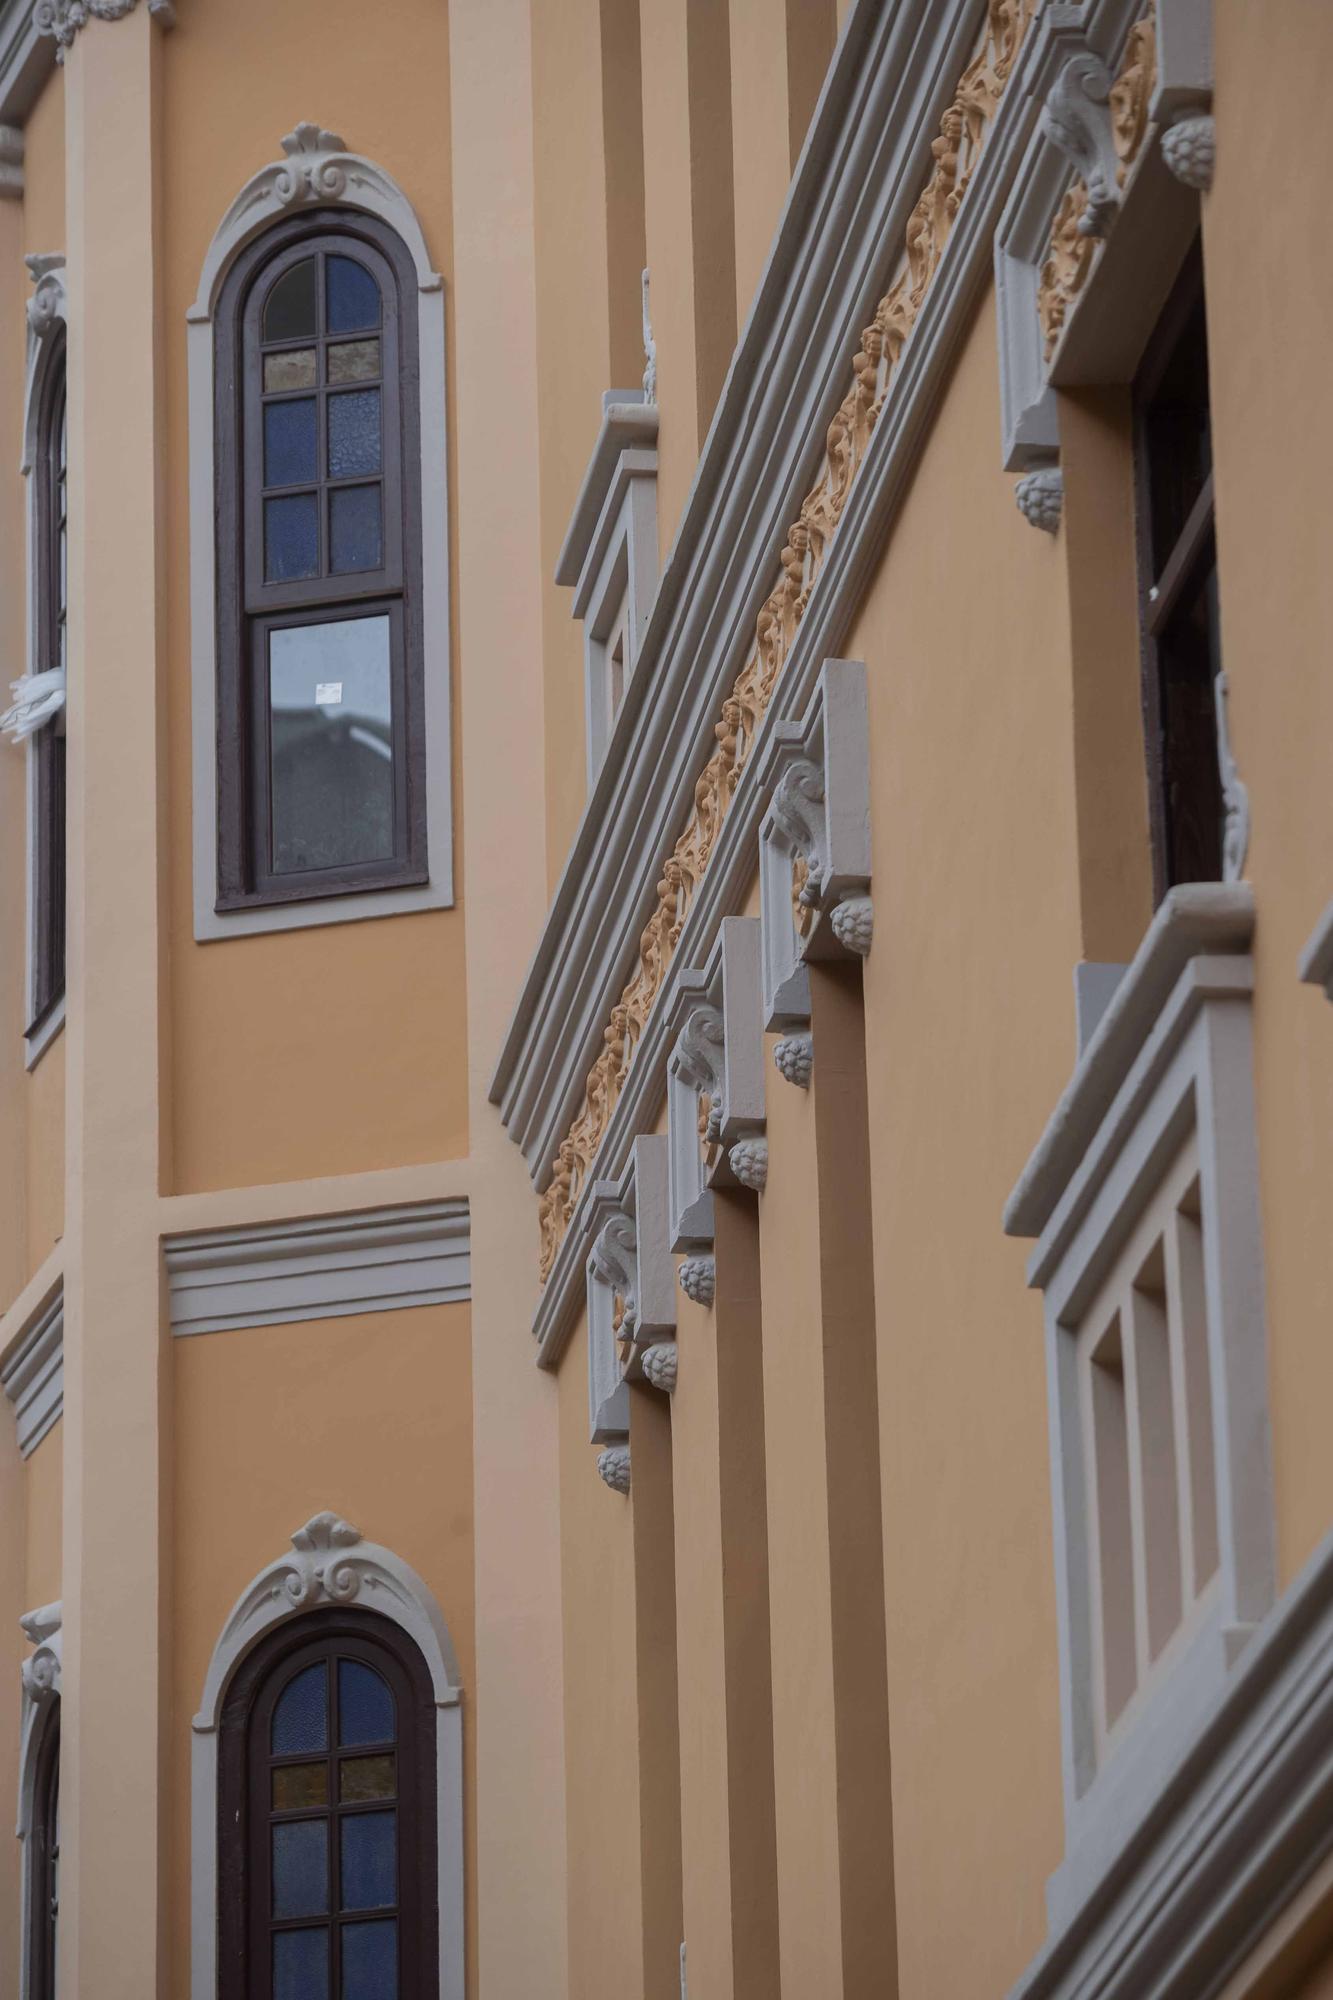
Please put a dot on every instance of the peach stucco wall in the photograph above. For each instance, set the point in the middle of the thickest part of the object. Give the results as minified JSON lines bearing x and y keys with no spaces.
{"x":334,"y":1049}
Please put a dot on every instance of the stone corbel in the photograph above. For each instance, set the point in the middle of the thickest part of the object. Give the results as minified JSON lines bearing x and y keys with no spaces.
{"x":715,"y":1078}
{"x":1077,"y":120}
{"x":660,"y":1366}
{"x":814,"y":851}
{"x":1041,"y":498}
{"x":612,"y":1277}
{"x":613,"y":1467}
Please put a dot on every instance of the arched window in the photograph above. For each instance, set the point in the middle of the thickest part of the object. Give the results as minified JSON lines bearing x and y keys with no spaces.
{"x":43,"y":1871}
{"x":327,"y":1817}
{"x":321,"y":780}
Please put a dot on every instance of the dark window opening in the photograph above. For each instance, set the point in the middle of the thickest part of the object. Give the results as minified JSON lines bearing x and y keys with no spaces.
{"x":44,"y":1863}
{"x":48,"y":745}
{"x":327,"y":1838}
{"x":1178,"y":584}
{"x":320,"y":694}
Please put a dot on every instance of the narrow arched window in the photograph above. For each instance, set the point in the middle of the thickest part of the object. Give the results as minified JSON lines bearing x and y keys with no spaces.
{"x":43,"y":1876}
{"x":327,"y":1828}
{"x":50,"y":597}
{"x":321,"y":783}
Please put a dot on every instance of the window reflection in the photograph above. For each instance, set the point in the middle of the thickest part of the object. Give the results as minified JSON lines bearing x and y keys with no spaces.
{"x":331,"y":725}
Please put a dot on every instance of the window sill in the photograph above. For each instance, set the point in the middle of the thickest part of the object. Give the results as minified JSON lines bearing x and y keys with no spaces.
{"x":246,"y":919}
{"x":39,"y":1039}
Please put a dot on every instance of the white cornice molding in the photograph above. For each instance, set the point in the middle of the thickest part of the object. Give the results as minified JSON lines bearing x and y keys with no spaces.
{"x":629,"y":422}
{"x":374,"y":1260}
{"x":32,"y":1374}
{"x":26,"y":60}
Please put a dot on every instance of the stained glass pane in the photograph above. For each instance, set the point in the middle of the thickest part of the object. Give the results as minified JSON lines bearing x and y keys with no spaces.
{"x":291,"y":538}
{"x":354,"y":433}
{"x":355,"y":361}
{"x":355,"y":540}
{"x":301,"y":1965}
{"x":332,"y":751}
{"x":300,"y":1785}
{"x":293,"y":369}
{"x":370,"y":1961}
{"x":289,"y":442}
{"x":289,"y":312}
{"x":369,"y":1861}
{"x":301,"y":1867}
{"x":354,"y":297}
{"x":301,"y":1718}
{"x":365,"y":1778}
{"x":365,"y":1706}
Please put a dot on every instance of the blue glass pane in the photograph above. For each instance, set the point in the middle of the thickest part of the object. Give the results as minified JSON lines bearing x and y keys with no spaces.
{"x":365,"y":1706}
{"x":369,"y":1861}
{"x":301,"y":1965}
{"x":354,"y":434}
{"x":291,"y":538}
{"x":354,"y":528}
{"x":301,"y":1718}
{"x":370,"y":1961}
{"x":354,"y":297}
{"x":301,"y":1868}
{"x":289,"y":310}
{"x":289,"y":442}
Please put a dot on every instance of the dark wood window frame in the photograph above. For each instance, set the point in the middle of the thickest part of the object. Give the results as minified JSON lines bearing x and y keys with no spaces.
{"x":48,"y":743}
{"x":249,"y":608}
{"x":246,"y":1813}
{"x":43,"y":1862}
{"x":1178,"y":598}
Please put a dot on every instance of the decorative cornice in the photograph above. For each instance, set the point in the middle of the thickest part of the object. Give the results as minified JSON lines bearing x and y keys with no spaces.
{"x":373,"y":1260}
{"x":33,"y":1374}
{"x":698,"y":1279}
{"x":1041,"y":497}
{"x":928,"y":230}
{"x":794,"y":1057}
{"x":62,"y":19}
{"x":613,"y":1467}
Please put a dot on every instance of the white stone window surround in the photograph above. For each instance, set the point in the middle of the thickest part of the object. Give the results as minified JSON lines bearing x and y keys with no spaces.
{"x":48,"y":311}
{"x":40,"y":1682}
{"x":330,"y":1565}
{"x":1170,"y":1058}
{"x":817,"y":770}
{"x":716,"y":1021}
{"x":32,"y":1371}
{"x":629,"y":1259}
{"x":609,"y":557}
{"x":318,"y":172}
{"x":1156,"y":217}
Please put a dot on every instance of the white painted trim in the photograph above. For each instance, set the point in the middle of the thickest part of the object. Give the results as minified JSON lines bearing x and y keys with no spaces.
{"x":26,"y":61}
{"x":373,"y":1260}
{"x":40,"y":1683}
{"x":32,"y":1373}
{"x":331,"y":1565}
{"x":1316,"y":961}
{"x":319,"y":173}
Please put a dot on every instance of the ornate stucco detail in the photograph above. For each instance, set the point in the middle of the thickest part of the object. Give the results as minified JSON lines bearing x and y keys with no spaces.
{"x":614,"y":1259}
{"x":748,"y":1160}
{"x":1235,"y":793}
{"x":62,"y":19}
{"x":613,"y":1467}
{"x":41,"y":1669}
{"x":316,"y":171}
{"x":798,"y":814}
{"x":47,"y":303}
{"x":11,"y":163}
{"x":1190,"y":151}
{"x":698,"y":1280}
{"x":660,"y":1365}
{"x":649,"y":349}
{"x":853,"y":923}
{"x":701,"y":1058}
{"x":1041,"y":497}
{"x":954,"y":153}
{"x":794,"y":1056}
{"x":1100,"y":122}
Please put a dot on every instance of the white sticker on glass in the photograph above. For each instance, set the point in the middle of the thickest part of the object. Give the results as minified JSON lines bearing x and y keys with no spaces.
{"x":328,"y":694}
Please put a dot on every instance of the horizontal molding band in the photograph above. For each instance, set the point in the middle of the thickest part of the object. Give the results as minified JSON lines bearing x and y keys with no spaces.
{"x":372,"y":1260}
{"x":33,"y":1376}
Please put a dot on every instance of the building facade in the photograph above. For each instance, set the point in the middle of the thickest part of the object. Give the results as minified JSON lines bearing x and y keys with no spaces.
{"x":719,"y":604}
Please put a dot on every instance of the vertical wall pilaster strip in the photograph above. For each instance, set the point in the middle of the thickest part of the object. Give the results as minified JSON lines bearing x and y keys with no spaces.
{"x":659,"y":1732}
{"x":112,"y":1794}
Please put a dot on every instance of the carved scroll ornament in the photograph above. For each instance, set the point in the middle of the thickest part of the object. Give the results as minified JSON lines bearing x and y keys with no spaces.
{"x":62,"y":19}
{"x":955,"y":153}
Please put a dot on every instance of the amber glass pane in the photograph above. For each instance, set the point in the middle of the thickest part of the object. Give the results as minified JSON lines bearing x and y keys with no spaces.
{"x":365,"y":1778}
{"x":294,"y":368}
{"x":289,"y":311}
{"x":354,"y":361}
{"x":300,"y":1785}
